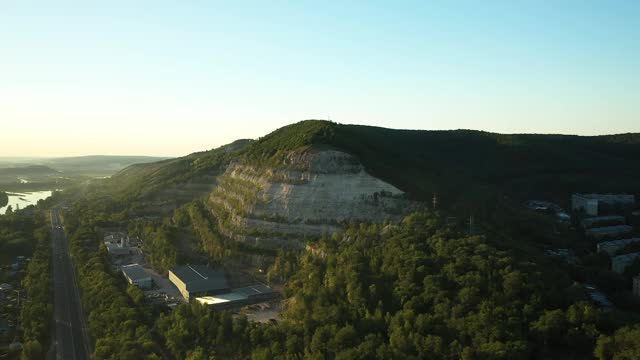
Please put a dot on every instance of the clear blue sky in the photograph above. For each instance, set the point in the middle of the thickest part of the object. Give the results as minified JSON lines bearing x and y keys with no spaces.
{"x":172,"y":77}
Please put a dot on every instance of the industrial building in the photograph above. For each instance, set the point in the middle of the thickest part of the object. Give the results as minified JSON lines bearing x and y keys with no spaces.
{"x":198,"y":280}
{"x":602,"y":204}
{"x":609,"y":232}
{"x":117,"y":249}
{"x":636,"y":285}
{"x":117,"y":244}
{"x":619,"y":263}
{"x":600,"y":221}
{"x":611,"y":247}
{"x":137,"y":275}
{"x":239,"y":297}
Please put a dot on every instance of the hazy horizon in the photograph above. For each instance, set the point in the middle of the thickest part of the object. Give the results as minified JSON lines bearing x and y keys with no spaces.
{"x":47,"y":157}
{"x":162,"y":79}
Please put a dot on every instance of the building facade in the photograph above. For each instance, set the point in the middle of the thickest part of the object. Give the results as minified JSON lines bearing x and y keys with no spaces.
{"x":609,"y":232}
{"x":600,"y":221}
{"x":602,"y":204}
{"x":138,"y":276}
{"x":611,"y":247}
{"x":636,"y":285}
{"x":198,"y":280}
{"x":620,"y":263}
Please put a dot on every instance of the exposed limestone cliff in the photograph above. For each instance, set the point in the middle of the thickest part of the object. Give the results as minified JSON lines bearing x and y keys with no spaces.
{"x":312,"y":194}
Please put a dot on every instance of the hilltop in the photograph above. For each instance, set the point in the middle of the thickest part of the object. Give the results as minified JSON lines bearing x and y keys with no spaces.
{"x":313,"y":177}
{"x":422,"y":162}
{"x":97,"y":165}
{"x":30,"y":170}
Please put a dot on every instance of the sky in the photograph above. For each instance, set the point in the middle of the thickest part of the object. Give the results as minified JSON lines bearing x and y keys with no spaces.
{"x":169,"y":78}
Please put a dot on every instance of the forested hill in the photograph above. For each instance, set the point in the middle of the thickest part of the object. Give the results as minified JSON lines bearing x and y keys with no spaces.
{"x":140,"y":180}
{"x":32,"y":170}
{"x":449,"y":162}
{"x":456,"y":164}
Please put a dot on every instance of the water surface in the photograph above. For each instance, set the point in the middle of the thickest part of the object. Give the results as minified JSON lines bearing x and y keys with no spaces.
{"x":25,"y":199}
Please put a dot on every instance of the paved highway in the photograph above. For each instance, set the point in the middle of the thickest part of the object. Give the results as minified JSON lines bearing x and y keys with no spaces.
{"x":71,"y":339}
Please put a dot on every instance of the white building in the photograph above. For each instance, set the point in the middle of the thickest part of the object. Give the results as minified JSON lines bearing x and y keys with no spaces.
{"x":619,"y":263}
{"x":611,"y":247}
{"x":596,"y":204}
{"x":136,"y":275}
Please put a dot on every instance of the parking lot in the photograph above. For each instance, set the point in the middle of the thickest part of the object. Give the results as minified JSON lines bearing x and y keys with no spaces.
{"x":163,"y":291}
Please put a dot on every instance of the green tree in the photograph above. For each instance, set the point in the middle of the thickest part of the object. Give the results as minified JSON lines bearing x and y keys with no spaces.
{"x":623,"y":345}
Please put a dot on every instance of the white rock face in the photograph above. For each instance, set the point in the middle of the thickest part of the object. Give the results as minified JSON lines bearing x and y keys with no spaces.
{"x":313,"y":192}
{"x":331,"y":197}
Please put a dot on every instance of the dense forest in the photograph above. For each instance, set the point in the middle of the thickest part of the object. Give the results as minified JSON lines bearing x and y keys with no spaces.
{"x":36,"y":314}
{"x":118,"y":325}
{"x":413,"y":291}
{"x":16,"y":234}
{"x":418,"y":289}
{"x":26,"y":233}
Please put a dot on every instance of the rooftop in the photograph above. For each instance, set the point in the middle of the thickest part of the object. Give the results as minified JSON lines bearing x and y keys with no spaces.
{"x":199,"y":278}
{"x":116,"y":247}
{"x":610,"y":229}
{"x":618,"y":242}
{"x":600,"y":298}
{"x":238,"y":294}
{"x":134,"y":272}
{"x":608,"y":197}
{"x":589,"y":222}
{"x":626,"y":257}
{"x":254,"y":290}
{"x":222,"y":298}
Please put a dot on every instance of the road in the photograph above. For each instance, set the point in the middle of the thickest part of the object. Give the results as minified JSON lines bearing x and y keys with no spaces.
{"x":71,"y":336}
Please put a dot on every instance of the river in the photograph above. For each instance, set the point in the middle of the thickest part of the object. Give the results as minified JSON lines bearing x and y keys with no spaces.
{"x":23,"y":200}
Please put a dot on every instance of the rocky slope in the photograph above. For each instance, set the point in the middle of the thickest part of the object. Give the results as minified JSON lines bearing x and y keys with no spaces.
{"x":312,"y":193}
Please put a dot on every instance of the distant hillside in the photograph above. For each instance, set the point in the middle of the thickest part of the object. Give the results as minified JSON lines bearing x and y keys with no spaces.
{"x":33,"y":170}
{"x":143,"y":179}
{"x":96,"y":165}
